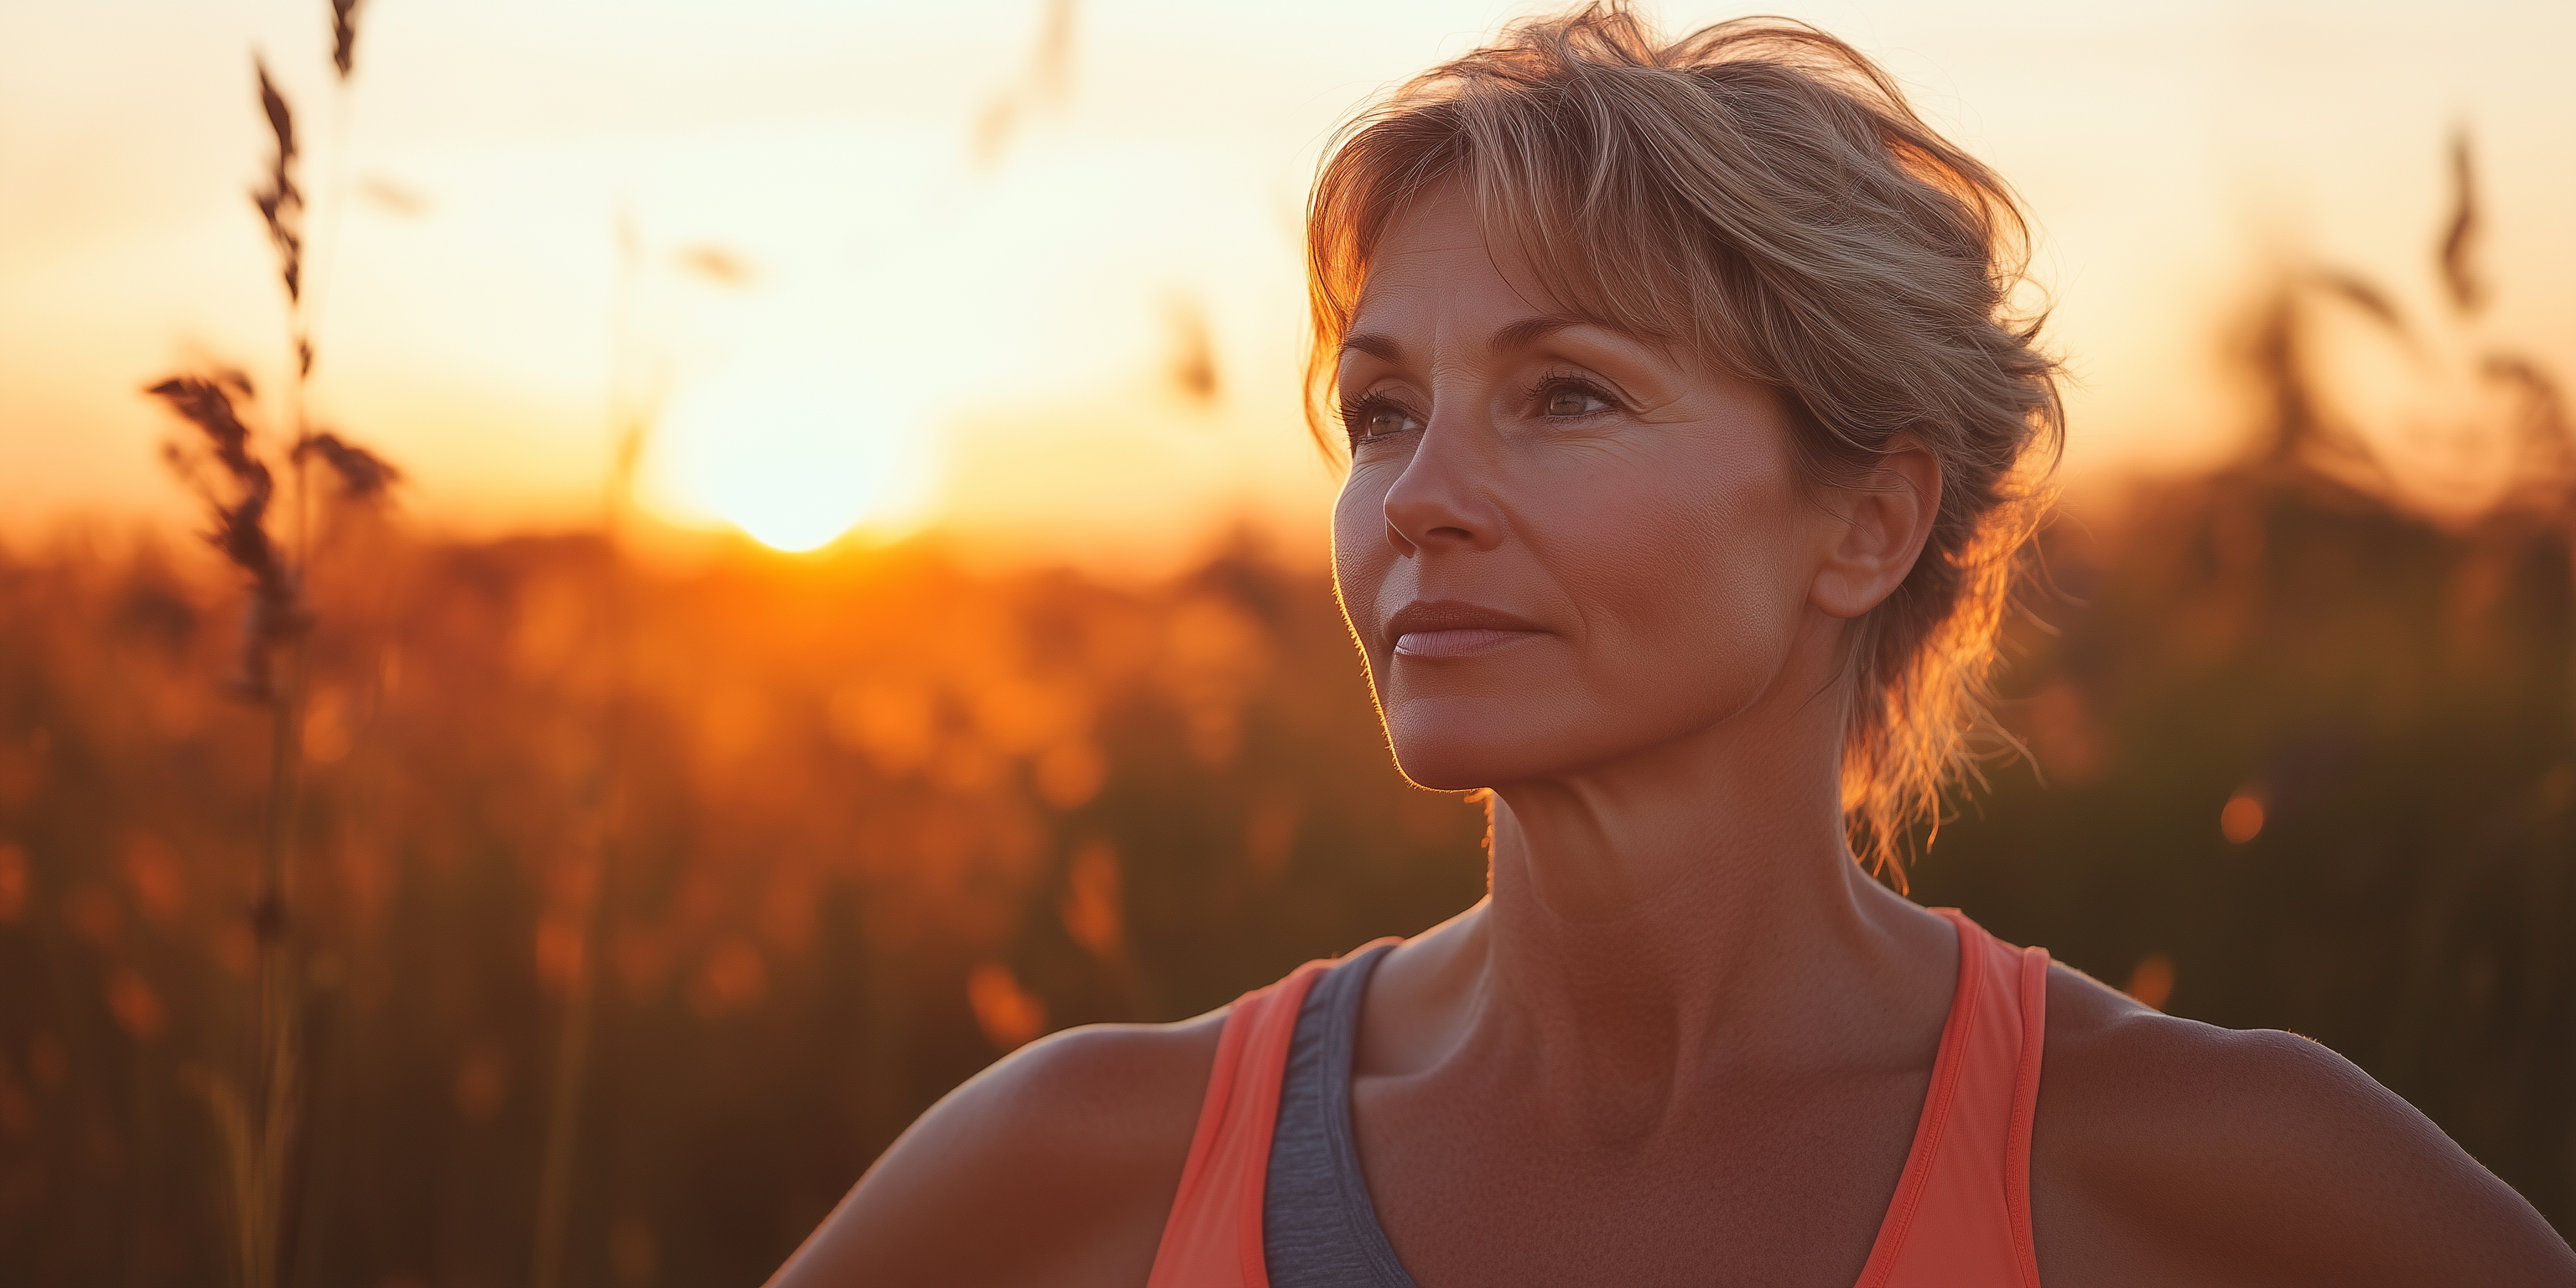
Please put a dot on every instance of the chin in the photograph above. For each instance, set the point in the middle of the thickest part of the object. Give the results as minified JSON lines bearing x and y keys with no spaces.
{"x":1454,"y":744}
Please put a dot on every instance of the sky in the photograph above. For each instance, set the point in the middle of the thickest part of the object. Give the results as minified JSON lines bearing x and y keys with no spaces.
{"x":787,"y":234}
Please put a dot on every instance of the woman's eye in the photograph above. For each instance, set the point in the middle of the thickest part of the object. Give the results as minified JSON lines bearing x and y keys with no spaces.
{"x":1383,"y":422}
{"x":1571,"y":400}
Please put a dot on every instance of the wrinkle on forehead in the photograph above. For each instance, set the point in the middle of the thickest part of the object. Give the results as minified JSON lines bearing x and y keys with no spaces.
{"x":1444,"y":222}
{"x":1392,"y":346}
{"x":1446,"y":219}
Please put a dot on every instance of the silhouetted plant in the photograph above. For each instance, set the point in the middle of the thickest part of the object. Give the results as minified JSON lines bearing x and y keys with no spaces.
{"x":260,"y":1119}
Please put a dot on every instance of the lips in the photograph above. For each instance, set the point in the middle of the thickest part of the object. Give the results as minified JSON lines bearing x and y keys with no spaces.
{"x":1449,"y":628}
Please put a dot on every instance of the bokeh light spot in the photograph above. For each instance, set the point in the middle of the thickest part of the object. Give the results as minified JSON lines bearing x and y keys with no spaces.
{"x":2151,"y":981}
{"x":1009,"y":1016}
{"x":2242,"y":819}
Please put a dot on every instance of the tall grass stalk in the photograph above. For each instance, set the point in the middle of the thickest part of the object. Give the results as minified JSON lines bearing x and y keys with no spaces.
{"x":259,"y":1118}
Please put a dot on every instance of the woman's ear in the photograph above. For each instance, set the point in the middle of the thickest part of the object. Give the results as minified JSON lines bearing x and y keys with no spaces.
{"x":1884,"y":519}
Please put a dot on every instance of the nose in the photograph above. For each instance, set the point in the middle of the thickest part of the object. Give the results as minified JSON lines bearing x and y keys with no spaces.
{"x":1443,"y":500}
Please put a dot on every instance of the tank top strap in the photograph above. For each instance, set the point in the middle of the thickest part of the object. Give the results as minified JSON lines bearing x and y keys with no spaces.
{"x":1213,"y":1237}
{"x":1962,"y":1209}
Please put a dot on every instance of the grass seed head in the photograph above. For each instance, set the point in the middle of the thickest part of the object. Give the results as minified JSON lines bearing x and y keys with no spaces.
{"x":363,"y":475}
{"x":276,"y":612}
{"x":281,"y":203}
{"x":344,"y":35}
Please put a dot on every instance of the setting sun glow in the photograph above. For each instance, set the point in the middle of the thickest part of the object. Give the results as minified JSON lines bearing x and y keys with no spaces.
{"x":793,"y":454}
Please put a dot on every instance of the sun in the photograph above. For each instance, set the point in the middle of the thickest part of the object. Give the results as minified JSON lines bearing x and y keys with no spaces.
{"x":793,"y":458}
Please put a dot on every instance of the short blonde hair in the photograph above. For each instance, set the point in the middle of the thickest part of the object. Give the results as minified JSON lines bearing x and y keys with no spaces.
{"x":1758,"y":193}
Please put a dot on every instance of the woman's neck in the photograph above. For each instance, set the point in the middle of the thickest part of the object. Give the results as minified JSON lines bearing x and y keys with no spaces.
{"x":1659,"y":924}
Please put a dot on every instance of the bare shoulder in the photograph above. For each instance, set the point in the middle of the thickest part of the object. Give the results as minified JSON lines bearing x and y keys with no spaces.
{"x":1055,"y":1166}
{"x":2170,"y":1151}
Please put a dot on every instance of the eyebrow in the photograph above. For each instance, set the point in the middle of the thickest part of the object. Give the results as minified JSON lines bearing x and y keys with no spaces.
{"x":1529,"y":331}
{"x":1382,"y":348}
{"x":1516,"y":335}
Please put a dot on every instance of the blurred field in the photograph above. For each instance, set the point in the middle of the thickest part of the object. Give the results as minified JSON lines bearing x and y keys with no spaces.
{"x":873,"y":822}
{"x":862,"y":823}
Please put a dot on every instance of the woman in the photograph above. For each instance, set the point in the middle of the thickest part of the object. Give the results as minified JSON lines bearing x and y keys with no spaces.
{"x":1691,"y":443}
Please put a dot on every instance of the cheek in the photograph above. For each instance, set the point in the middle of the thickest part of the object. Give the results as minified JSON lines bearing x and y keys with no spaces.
{"x":1361,"y":556}
{"x":1359,"y":524}
{"x":1690,"y":589}
{"x":1688,"y":579}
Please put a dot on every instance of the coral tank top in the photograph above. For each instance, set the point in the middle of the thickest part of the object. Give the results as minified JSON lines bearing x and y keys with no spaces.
{"x":1960,"y":1216}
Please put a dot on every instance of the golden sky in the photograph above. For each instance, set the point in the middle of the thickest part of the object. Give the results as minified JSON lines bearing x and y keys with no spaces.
{"x":903,"y":328}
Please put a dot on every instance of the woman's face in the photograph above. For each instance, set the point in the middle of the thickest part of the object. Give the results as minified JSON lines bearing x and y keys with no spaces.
{"x":1560,"y":545}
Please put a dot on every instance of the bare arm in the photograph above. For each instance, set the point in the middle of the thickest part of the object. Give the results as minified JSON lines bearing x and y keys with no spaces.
{"x":2171,"y":1152}
{"x":1056,"y":1166}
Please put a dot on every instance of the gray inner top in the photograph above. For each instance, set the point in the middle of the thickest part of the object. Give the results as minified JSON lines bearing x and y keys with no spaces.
{"x":1318,"y":1228}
